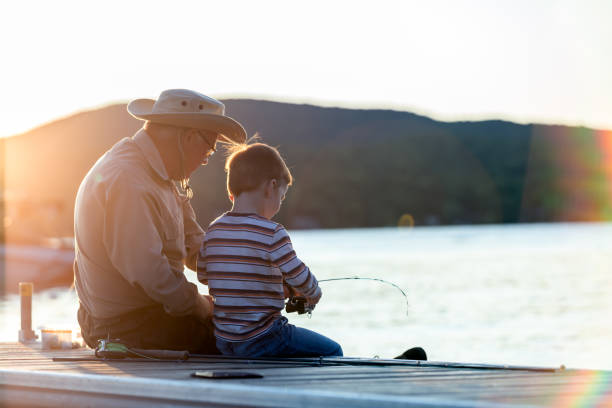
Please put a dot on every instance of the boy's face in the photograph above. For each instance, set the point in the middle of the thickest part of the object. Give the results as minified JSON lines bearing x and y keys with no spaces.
{"x":275,"y":194}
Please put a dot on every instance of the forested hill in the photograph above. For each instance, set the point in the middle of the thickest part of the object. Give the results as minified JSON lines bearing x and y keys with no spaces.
{"x":352,"y":168}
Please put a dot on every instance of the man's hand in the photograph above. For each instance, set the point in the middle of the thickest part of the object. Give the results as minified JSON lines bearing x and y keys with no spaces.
{"x":204,"y":308}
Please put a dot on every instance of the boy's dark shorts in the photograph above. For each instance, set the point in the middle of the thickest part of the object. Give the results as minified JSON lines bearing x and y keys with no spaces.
{"x":150,"y":328}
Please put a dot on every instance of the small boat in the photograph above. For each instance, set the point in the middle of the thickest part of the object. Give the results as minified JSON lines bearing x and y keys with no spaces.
{"x":45,"y":266}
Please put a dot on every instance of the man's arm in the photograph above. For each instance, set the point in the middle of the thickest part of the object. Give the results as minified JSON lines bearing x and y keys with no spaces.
{"x":133,"y":241}
{"x":194,"y":235}
{"x":201,"y":265}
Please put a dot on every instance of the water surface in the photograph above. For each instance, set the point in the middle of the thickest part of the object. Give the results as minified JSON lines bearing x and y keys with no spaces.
{"x":535,"y":294}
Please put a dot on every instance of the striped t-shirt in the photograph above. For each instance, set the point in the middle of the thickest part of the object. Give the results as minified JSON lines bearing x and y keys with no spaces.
{"x":244,"y":259}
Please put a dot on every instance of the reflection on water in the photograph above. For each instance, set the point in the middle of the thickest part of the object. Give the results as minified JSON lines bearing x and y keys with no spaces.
{"x":534,"y":294}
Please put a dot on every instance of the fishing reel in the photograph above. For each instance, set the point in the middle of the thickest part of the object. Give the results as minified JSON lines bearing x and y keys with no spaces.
{"x":298,"y":304}
{"x":111,"y":349}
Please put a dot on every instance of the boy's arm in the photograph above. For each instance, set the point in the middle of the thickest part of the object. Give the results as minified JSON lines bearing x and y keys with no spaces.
{"x":295,"y":273}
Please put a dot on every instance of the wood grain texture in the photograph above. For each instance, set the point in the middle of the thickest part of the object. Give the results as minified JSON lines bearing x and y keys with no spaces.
{"x":30,"y":377}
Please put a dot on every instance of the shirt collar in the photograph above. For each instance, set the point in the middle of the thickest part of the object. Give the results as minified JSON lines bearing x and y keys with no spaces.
{"x":145,"y":143}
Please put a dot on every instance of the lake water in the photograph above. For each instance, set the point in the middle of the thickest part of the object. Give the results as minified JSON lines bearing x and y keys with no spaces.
{"x":532,"y":294}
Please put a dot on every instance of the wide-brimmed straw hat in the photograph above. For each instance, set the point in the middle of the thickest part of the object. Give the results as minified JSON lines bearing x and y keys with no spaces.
{"x":185,"y":108}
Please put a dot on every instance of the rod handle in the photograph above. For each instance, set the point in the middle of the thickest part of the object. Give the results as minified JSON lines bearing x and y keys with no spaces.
{"x":163,"y":354}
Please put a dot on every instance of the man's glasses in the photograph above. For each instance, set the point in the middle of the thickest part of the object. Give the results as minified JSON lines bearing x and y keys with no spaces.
{"x":211,"y":147}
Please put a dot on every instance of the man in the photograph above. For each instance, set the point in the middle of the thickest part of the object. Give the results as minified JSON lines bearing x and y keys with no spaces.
{"x":135,"y":232}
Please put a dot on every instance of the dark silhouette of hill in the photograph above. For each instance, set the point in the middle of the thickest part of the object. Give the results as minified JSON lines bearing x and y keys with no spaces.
{"x":352,"y":168}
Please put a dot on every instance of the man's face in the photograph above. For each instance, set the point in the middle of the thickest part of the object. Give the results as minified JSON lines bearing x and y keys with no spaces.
{"x":198,"y":146}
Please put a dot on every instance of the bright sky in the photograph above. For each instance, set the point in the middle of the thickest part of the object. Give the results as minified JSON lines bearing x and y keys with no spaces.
{"x":523,"y":60}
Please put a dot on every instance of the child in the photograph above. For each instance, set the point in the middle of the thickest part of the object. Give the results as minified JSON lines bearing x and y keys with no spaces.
{"x":246,"y":259}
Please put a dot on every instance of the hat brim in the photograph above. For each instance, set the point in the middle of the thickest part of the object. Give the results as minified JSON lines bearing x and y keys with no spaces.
{"x":227,"y":127}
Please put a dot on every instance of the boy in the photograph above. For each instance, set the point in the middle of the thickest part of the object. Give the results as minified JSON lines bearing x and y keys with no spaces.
{"x":249,"y":264}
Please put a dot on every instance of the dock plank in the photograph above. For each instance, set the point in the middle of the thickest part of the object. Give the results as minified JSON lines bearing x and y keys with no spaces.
{"x":30,"y":377}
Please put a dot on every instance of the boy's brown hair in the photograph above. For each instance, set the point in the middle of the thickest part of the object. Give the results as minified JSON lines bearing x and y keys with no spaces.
{"x":250,"y":165}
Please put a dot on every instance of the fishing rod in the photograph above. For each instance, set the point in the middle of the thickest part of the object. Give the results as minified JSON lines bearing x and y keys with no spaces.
{"x":262,"y":363}
{"x":298,"y":303}
{"x":372,"y":279}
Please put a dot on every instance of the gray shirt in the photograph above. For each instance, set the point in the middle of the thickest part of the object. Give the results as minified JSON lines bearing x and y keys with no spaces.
{"x":134,"y":233}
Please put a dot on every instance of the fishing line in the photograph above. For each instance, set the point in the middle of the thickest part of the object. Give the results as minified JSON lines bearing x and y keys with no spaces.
{"x":372,"y":279}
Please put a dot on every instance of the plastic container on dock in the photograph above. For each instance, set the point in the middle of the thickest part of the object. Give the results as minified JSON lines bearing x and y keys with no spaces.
{"x":56,"y":339}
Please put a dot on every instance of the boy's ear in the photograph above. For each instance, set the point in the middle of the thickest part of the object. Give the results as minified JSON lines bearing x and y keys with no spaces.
{"x":231,"y":197}
{"x":270,"y":186}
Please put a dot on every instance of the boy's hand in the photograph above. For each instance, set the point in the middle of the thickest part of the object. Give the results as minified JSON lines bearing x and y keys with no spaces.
{"x":288,"y":291}
{"x":299,"y":305}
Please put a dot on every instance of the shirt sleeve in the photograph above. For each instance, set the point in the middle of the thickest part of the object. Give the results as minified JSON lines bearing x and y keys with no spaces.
{"x":201,"y":265}
{"x":295,"y":273}
{"x":133,"y":241}
{"x":194,"y":235}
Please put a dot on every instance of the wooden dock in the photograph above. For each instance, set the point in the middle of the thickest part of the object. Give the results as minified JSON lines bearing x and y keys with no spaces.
{"x":31,"y":377}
